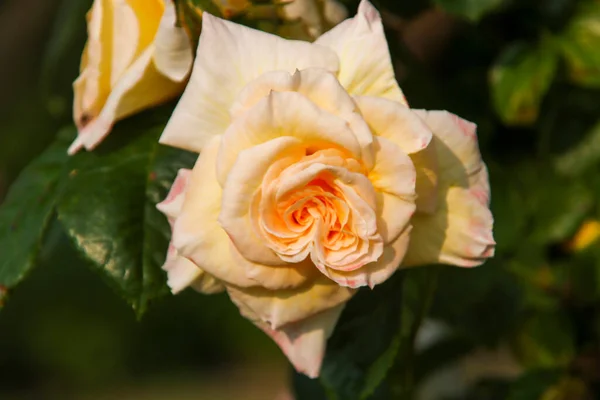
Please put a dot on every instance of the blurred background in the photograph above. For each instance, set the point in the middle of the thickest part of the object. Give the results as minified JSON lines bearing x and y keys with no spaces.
{"x":524,"y":326}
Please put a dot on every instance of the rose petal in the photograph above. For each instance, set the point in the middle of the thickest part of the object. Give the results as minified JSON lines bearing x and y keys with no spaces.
{"x":243,"y":181}
{"x":229,"y":57}
{"x":320,"y":87}
{"x":284,"y":114}
{"x":282,"y":307}
{"x":172,"y":204}
{"x":304,"y":342}
{"x":125,"y":39}
{"x":378,"y":271}
{"x":365,"y":63}
{"x":460,"y":231}
{"x":199,"y":236}
{"x":395,"y":122}
{"x":173,"y":55}
{"x":458,"y":156}
{"x":140,"y":87}
{"x":182,"y":272}
{"x":393,"y":178}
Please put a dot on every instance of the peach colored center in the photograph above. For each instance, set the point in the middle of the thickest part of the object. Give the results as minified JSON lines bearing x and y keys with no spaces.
{"x":319,"y":205}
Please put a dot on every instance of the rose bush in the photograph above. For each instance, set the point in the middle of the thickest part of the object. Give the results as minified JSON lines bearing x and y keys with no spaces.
{"x":135,"y":58}
{"x":314,"y":179}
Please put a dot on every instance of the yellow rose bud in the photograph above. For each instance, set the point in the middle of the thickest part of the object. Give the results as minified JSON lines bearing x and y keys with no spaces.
{"x":135,"y":58}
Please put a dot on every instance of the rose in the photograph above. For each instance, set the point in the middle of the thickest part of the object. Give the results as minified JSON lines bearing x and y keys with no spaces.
{"x":315,"y":16}
{"x":135,"y":58}
{"x":314,"y":179}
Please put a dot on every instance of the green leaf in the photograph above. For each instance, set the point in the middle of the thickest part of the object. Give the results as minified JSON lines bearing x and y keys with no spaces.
{"x":109,"y":207}
{"x":580,"y":44}
{"x":366,"y":335}
{"x":470,"y":9}
{"x":546,"y":340}
{"x":533,"y":384}
{"x":520,"y":79}
{"x":508,"y":204}
{"x":581,"y":157}
{"x":559,"y":206}
{"x":27,"y":210}
{"x":376,"y":329}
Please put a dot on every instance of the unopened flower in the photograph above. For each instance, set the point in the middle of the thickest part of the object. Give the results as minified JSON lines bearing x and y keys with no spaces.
{"x":315,"y":178}
{"x":135,"y":58}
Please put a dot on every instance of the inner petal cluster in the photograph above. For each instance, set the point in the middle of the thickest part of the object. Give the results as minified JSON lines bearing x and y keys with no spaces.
{"x":319,"y":204}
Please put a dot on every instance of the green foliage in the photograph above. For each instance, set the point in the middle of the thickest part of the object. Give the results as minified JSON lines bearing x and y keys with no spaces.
{"x":109,"y":207}
{"x":580,"y":43}
{"x":520,"y":79}
{"x":27,"y":210}
{"x":470,"y":9}
{"x":377,"y":328}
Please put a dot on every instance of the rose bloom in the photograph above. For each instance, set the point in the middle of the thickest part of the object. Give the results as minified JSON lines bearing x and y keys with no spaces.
{"x":314,"y":179}
{"x":135,"y":58}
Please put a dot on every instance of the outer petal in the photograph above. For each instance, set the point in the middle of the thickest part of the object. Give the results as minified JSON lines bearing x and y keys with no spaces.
{"x":395,"y":122}
{"x":376,"y":272}
{"x":403,"y":127}
{"x":172,"y":204}
{"x":460,"y":231}
{"x":229,"y":57}
{"x":365,"y":62}
{"x":199,"y":236}
{"x":304,"y":342}
{"x":173,"y":55}
{"x":394,"y":179}
{"x":181,"y":272}
{"x":459,"y":159}
{"x":278,"y":308}
{"x":140,"y":87}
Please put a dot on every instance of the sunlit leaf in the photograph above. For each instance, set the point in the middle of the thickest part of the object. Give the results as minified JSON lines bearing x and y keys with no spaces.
{"x":109,"y":207}
{"x":26,"y":211}
{"x":520,"y":79}
{"x":580,"y":43}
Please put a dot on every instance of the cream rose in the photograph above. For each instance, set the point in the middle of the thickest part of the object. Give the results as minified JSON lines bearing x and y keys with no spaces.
{"x":314,"y":179}
{"x":135,"y":58}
